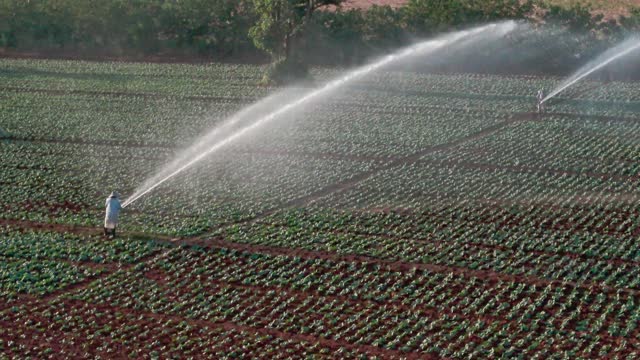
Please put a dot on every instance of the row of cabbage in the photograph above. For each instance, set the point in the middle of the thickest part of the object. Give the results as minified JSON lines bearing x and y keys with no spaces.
{"x":345,"y":131}
{"x":499,"y":85}
{"x":584,"y":258}
{"x":17,"y":243}
{"x":368,"y":305}
{"x":180,"y":302}
{"x":169,"y":79}
{"x":119,"y":120}
{"x":38,"y":277}
{"x":62,"y":328}
{"x":354,"y":304}
{"x":66,"y":183}
{"x":206,"y":79}
{"x":559,"y":144}
{"x":42,"y":262}
{"x":364,"y":122}
{"x":420,"y":185}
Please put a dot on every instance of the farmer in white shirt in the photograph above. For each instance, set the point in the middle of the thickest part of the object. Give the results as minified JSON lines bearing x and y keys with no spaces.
{"x":540,"y":97}
{"x":111,"y":217}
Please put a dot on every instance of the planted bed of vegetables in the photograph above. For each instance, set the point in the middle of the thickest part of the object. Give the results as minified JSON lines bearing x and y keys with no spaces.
{"x":409,"y":215}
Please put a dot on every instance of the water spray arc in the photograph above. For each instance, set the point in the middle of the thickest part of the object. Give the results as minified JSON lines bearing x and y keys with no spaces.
{"x":598,"y":63}
{"x":208,"y":144}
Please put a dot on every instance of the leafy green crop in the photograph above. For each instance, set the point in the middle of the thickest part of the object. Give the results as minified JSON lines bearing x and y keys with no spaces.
{"x":409,"y":214}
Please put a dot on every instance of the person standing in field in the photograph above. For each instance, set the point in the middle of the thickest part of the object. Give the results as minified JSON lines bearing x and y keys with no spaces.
{"x":111,"y":217}
{"x":540,"y":98}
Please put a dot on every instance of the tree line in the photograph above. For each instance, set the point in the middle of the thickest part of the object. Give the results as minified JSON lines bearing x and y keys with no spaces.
{"x":281,"y":31}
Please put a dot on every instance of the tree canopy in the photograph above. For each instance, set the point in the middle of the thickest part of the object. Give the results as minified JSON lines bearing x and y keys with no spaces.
{"x":293,"y":34}
{"x":281,"y":24}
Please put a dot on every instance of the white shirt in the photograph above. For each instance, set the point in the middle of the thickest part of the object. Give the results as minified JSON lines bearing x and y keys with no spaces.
{"x":111,"y":216}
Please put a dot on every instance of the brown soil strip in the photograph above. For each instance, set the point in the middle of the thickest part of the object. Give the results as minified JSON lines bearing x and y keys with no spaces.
{"x":331,"y":256}
{"x":19,"y":299}
{"x":350,"y":183}
{"x":355,"y":180}
{"x":128,"y":144}
{"x":232,"y":99}
{"x":295,"y":252}
{"x":59,"y":228}
{"x":219,"y":243}
{"x":531,"y":169}
{"x":592,"y":117}
{"x":612,"y":261}
{"x":398,"y":306}
{"x":258,"y":151}
{"x":77,"y":229}
{"x":403,"y":109}
{"x":316,"y":155}
{"x":79,"y":285}
{"x":105,"y":267}
{"x":228,"y":325}
{"x":111,"y":268}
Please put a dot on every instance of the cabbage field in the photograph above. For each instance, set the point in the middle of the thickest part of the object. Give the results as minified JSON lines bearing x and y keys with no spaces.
{"x":409,"y":215}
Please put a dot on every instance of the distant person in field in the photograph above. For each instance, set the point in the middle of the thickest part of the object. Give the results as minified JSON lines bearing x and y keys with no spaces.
{"x":540,"y":98}
{"x":111,"y":217}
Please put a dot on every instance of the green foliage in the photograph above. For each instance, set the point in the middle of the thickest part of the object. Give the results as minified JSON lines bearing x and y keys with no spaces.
{"x":124,"y":27}
{"x":425,"y":17}
{"x":631,"y":23}
{"x":380,"y":27}
{"x":34,"y":22}
{"x":274,"y":26}
{"x":297,"y":30}
{"x":337,"y":38}
{"x":406,"y":258}
{"x":285,"y":71}
{"x":577,"y":18}
{"x":206,"y":25}
{"x":282,"y":23}
{"x":280,"y":29}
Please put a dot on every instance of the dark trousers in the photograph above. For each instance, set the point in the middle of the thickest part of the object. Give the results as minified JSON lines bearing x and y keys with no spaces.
{"x":108,"y":232}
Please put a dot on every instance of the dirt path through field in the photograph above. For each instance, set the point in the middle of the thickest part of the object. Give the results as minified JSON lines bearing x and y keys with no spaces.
{"x":167,"y":146}
{"x":532,"y":169}
{"x":219,"y":242}
{"x":332,"y":344}
{"x":357,"y":179}
{"x":402,"y":266}
{"x":77,"y":229}
{"x":146,"y":95}
{"x":480,"y":245}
